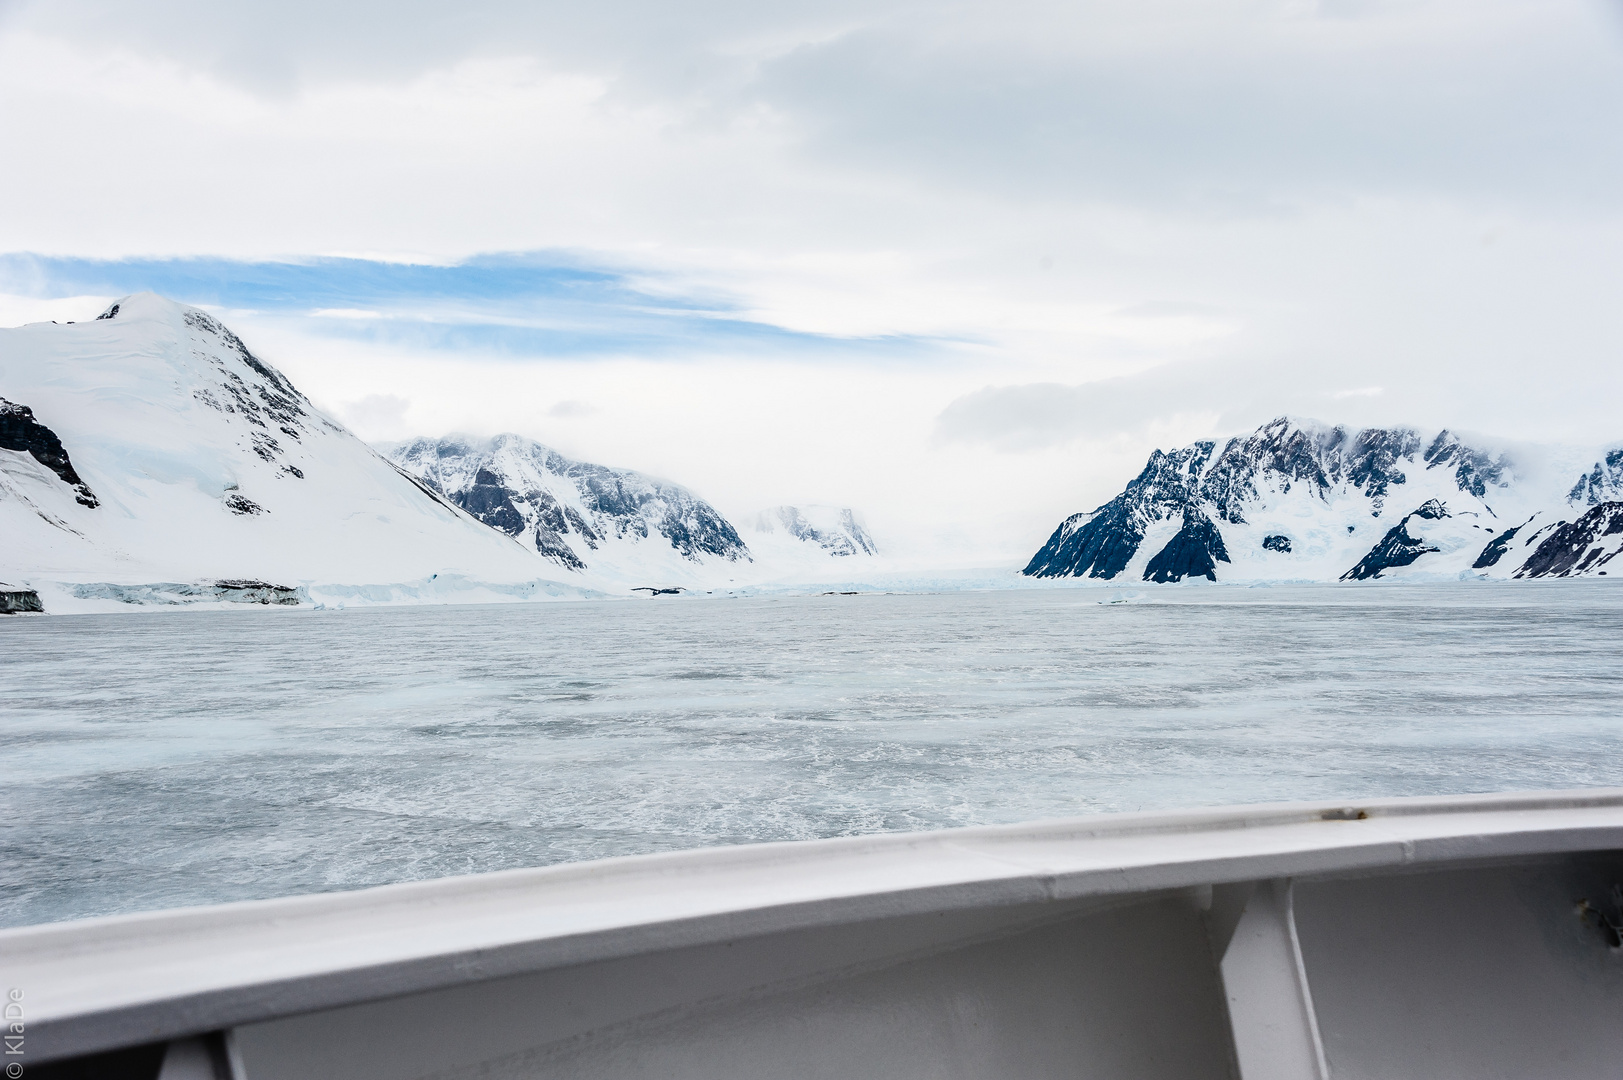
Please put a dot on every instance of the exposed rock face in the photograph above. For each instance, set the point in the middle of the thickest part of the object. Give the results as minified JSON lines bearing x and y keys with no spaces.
{"x":20,"y":431}
{"x":1283,"y":453}
{"x":172,"y":593}
{"x":266,"y":400}
{"x":1604,"y":483}
{"x":1474,"y":470}
{"x":241,"y":504}
{"x":17,"y":601}
{"x":1296,"y":500}
{"x":1194,"y":552}
{"x":835,"y":529}
{"x":1578,"y":547}
{"x":1397,"y":547}
{"x":1102,"y":543}
{"x":1496,"y":549}
{"x":567,"y":510}
{"x":1220,"y":493}
{"x":248,"y":591}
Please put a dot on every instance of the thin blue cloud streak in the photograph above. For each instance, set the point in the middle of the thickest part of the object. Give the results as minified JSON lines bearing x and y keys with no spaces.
{"x":518,"y":305}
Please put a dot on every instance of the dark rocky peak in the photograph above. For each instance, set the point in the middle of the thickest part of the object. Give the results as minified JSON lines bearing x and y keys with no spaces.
{"x":1194,"y":552}
{"x":535,"y":494}
{"x":110,"y":313}
{"x":1603,"y":483}
{"x":19,"y":431}
{"x":489,"y":501}
{"x":1284,"y":447}
{"x":1168,"y":482}
{"x":1102,"y":543}
{"x":1474,"y":470}
{"x":1578,"y":547}
{"x":208,"y":324}
{"x":1431,"y":510}
{"x":1398,"y":547}
{"x":258,"y":393}
{"x":1290,"y":452}
{"x":1372,"y":459}
{"x":1497,"y":547}
{"x":1098,"y":544}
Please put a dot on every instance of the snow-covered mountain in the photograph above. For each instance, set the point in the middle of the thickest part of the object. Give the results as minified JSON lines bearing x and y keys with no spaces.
{"x":149,"y":454}
{"x":1298,"y":500}
{"x":577,"y":515}
{"x":835,"y":530}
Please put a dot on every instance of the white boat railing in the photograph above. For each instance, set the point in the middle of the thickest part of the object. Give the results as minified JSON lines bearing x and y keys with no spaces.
{"x":1462,"y":936}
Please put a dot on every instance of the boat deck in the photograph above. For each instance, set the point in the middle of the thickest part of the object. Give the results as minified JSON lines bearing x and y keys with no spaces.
{"x":1440,"y":937}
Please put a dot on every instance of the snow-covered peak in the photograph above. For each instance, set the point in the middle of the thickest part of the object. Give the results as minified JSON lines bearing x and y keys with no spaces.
{"x":1302,"y":500}
{"x":574,"y":513}
{"x":1603,"y":483}
{"x":835,"y":529}
{"x":208,"y":464}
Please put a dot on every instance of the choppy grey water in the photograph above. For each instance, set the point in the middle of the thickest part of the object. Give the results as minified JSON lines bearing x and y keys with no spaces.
{"x":154,"y":760}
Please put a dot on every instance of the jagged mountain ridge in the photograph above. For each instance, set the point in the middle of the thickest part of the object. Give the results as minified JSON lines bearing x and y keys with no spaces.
{"x":572,"y":513}
{"x":1299,"y":500}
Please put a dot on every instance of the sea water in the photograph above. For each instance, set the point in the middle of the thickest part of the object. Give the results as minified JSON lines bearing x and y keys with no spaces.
{"x":157,"y":759}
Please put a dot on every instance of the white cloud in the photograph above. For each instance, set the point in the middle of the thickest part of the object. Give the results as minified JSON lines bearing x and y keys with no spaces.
{"x":18,"y":310}
{"x":377,"y":416}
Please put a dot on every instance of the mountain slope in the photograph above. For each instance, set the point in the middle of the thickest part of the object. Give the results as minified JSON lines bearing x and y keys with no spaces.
{"x":197,"y":461}
{"x":1302,"y":501}
{"x":835,"y":530}
{"x":578,"y":515}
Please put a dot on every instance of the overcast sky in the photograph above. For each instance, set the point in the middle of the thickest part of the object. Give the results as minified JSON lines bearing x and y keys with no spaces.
{"x":960,"y":265}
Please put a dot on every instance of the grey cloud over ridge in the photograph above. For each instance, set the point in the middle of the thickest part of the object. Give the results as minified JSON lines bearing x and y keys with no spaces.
{"x":1182,"y":397}
{"x":1037,"y":416}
